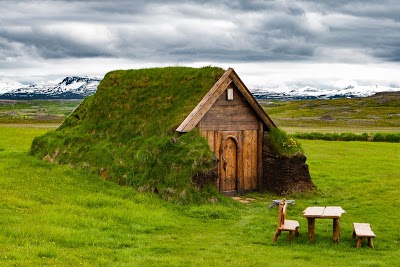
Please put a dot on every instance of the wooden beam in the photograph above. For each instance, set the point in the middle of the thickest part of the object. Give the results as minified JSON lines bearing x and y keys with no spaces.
{"x":259,"y":154}
{"x":206,"y":103}
{"x":252,"y":101}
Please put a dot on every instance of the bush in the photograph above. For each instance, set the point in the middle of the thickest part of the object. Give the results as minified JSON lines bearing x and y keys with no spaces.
{"x":378,"y":137}
{"x":283,"y":144}
{"x":390,"y":137}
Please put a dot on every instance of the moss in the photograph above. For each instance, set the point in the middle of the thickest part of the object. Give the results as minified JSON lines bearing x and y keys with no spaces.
{"x":126,"y":131}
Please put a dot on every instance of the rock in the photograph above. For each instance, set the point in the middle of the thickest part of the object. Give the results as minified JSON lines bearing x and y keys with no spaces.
{"x":47,"y":158}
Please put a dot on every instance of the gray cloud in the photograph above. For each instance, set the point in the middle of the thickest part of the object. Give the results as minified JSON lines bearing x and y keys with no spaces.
{"x":51,"y":45}
{"x":201,"y":31}
{"x":273,"y":30}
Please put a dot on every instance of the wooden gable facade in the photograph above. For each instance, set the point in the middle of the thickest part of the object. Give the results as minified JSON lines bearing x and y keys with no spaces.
{"x":233,"y":123}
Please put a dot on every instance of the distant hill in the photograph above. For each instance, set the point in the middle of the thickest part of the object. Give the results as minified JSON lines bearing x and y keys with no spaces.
{"x":69,"y":88}
{"x":381,"y":110}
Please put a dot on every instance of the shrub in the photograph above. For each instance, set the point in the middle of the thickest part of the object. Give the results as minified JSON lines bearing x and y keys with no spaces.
{"x":390,"y":137}
{"x":283,"y":144}
{"x":378,"y":137}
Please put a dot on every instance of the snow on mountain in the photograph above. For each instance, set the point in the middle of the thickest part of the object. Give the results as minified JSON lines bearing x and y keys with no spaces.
{"x":6,"y":86}
{"x":308,"y":92}
{"x":68,"y":88}
{"x":80,"y":87}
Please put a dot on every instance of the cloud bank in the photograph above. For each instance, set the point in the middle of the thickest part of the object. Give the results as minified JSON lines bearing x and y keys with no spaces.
{"x":270,"y":43}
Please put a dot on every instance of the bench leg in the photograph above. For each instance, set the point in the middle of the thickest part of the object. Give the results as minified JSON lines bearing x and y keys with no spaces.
{"x":336,"y":230}
{"x":290,"y":236}
{"x":311,"y":228}
{"x":370,"y":243}
{"x":277,"y":233}
{"x":360,"y":241}
{"x":296,"y":232}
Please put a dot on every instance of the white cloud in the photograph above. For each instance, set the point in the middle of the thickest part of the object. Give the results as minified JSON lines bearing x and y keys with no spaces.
{"x":87,"y":33}
{"x":295,"y":75}
{"x":315,"y":22}
{"x":344,"y":83}
{"x":276,"y":43}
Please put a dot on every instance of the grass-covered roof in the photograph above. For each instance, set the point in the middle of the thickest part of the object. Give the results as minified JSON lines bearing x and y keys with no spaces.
{"x":126,"y":130}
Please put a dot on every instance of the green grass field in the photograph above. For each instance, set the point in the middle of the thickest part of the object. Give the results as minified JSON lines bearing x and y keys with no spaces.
{"x":36,"y":111}
{"x":378,"y":113}
{"x":52,"y":215}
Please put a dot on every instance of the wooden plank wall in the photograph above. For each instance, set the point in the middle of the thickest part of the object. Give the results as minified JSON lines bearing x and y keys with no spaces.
{"x":230,"y":115}
{"x":236,"y":118}
{"x":248,"y":167}
{"x":250,"y":159}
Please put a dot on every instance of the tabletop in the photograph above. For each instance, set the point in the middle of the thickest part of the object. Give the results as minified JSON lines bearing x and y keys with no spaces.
{"x":323,"y":212}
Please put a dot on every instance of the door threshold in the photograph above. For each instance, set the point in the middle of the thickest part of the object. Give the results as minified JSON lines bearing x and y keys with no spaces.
{"x":230,"y":193}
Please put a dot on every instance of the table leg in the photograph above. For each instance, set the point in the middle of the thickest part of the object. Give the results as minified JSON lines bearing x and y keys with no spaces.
{"x":336,"y":230}
{"x":311,"y":227}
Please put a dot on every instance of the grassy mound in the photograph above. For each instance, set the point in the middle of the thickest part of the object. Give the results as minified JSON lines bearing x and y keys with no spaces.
{"x":126,"y":131}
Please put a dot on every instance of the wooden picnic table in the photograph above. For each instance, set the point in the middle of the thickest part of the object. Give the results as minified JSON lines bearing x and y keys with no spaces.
{"x":330,"y":212}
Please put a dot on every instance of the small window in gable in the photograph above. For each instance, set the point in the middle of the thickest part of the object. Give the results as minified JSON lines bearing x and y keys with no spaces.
{"x":229,"y":94}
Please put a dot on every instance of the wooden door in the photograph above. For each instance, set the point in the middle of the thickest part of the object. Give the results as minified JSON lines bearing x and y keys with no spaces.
{"x":229,"y":165}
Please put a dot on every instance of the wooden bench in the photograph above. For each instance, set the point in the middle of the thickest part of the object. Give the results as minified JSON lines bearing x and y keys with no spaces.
{"x":285,"y":225}
{"x":362,"y":231}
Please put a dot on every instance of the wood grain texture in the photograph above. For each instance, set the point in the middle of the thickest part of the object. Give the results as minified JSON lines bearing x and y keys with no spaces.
{"x":230,"y":115}
{"x":206,"y":103}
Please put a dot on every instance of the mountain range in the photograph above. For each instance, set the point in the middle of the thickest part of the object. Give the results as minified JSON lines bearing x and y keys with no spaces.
{"x":77,"y":87}
{"x":308,"y":92}
{"x":74,"y":87}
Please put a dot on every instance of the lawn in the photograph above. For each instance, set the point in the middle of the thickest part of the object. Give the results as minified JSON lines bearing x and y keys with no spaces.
{"x":377,"y":113}
{"x":53,"y":215}
{"x":36,"y":111}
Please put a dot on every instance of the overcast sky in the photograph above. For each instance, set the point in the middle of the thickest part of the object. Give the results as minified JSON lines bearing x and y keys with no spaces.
{"x":271,"y":44}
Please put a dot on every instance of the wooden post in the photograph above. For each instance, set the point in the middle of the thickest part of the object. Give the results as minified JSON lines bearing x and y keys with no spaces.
{"x":336,"y":230}
{"x":259,"y":154}
{"x":370,"y":243}
{"x":290,"y":236}
{"x":239,"y":164}
{"x":311,"y":228}
{"x":360,"y":241}
{"x":277,"y":233}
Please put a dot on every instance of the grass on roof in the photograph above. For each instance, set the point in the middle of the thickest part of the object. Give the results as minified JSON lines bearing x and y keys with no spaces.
{"x":126,"y":131}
